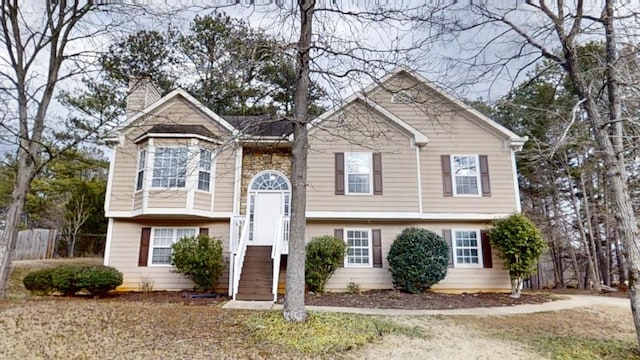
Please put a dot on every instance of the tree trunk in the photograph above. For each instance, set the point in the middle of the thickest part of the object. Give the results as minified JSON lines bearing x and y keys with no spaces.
{"x":8,"y":240}
{"x":516,"y":286}
{"x":294,"y":304}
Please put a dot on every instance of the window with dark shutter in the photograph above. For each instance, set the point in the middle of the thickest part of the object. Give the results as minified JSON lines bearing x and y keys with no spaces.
{"x":447,"y":185}
{"x":339,"y":233}
{"x":446,"y":234}
{"x":377,"y":174}
{"x":376,"y":234}
{"x":143,"y":256}
{"x":339,"y":173}
{"x":484,"y":175}
{"x":204,"y":231}
{"x":487,"y":261}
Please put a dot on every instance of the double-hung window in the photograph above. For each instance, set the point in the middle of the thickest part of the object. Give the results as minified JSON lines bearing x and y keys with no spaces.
{"x":170,"y":167}
{"x":467,"y":248}
{"x":142,"y":160}
{"x":359,"y":248}
{"x":204,"y":172}
{"x":466,"y":174}
{"x":162,"y":240}
{"x":359,"y":175}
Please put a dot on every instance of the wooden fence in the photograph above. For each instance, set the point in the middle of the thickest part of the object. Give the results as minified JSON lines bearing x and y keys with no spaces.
{"x":35,"y":244}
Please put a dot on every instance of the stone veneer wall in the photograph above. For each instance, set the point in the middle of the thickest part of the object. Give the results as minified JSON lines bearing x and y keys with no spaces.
{"x":255,"y":160}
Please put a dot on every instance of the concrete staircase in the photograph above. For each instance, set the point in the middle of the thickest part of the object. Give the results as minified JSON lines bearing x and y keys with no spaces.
{"x":256,"y":280}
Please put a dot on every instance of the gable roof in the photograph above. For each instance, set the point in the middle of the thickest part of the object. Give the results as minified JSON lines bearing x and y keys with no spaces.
{"x":515,"y":140}
{"x":260,"y":125}
{"x":171,"y":130}
{"x":419,"y":138}
{"x":174,"y":94}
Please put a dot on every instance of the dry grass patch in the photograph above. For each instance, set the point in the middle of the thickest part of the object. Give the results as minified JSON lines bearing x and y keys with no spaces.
{"x":69,"y":328}
{"x":20,"y":269}
{"x":602,"y":332}
{"x":323,"y":333}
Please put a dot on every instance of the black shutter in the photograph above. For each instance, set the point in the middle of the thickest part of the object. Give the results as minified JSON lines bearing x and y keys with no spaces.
{"x":446,"y":234}
{"x":484,"y":175}
{"x":377,"y":174}
{"x":447,"y":186}
{"x":145,"y":237}
{"x":377,"y":248}
{"x":339,"y":173}
{"x":339,"y":233}
{"x":204,"y":231}
{"x":487,"y":261}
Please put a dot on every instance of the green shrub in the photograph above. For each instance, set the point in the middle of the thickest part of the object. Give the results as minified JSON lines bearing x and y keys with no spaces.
{"x":39,"y":282}
{"x":64,"y":279}
{"x":199,"y":259}
{"x":418,"y":259}
{"x":98,"y":279}
{"x":520,"y":245}
{"x":324,"y":256}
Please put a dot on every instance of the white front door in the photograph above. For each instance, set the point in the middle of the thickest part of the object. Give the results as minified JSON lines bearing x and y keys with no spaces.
{"x":267,"y":213}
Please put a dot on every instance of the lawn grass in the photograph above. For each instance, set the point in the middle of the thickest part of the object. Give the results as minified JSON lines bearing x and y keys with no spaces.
{"x":323,"y":333}
{"x":594,"y":333}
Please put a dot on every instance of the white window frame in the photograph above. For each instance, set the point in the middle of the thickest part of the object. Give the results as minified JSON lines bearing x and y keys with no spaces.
{"x":453,"y":175}
{"x":141,"y":169}
{"x":346,"y":173}
{"x":152,"y":246}
{"x":204,"y":170}
{"x":369,"y":248}
{"x":454,"y":244}
{"x":186,"y":171}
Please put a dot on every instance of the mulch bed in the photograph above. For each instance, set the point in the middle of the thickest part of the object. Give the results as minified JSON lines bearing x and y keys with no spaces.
{"x":167,"y":297}
{"x":389,"y":299}
{"x":378,"y":299}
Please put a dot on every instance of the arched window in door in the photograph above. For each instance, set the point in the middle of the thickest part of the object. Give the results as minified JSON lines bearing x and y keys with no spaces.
{"x":269,"y":180}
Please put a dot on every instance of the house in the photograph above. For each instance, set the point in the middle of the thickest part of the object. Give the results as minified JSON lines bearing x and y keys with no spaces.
{"x":400,"y":153}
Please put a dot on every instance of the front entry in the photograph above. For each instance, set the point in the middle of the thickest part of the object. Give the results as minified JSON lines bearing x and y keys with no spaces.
{"x":269,"y":199}
{"x":268,"y":209}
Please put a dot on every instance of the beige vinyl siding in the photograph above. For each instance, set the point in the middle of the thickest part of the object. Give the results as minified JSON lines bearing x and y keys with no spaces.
{"x":225,"y":166}
{"x":457,"y":279}
{"x":453,"y":131}
{"x":137,"y":200}
{"x":124,"y":177}
{"x":176,"y":111}
{"x":167,"y":199}
{"x":360,"y":130}
{"x":125,"y":248}
{"x":202,"y":201}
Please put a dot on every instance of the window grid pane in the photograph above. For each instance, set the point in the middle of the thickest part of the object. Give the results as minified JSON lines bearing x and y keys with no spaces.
{"x":467,"y":248}
{"x":358,"y":250}
{"x":358,"y":173}
{"x":170,"y":167}
{"x":465,"y":171}
{"x":162,"y":240}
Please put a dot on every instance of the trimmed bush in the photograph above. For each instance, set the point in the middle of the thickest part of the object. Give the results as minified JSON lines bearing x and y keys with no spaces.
{"x":63,"y":279}
{"x":417,"y":259}
{"x":39,"y":282}
{"x":98,"y":279}
{"x":520,"y":245}
{"x":199,"y":259}
{"x":324,"y":256}
{"x":69,"y":279}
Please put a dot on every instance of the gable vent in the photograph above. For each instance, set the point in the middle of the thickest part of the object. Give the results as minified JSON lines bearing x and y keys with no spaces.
{"x":402,"y":97}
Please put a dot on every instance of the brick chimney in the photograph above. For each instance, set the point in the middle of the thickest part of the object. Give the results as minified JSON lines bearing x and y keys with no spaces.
{"x":142,"y":93}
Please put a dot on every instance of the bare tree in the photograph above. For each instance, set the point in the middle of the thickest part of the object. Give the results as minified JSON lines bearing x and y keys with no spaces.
{"x":553,"y":30}
{"x":34,"y":61}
